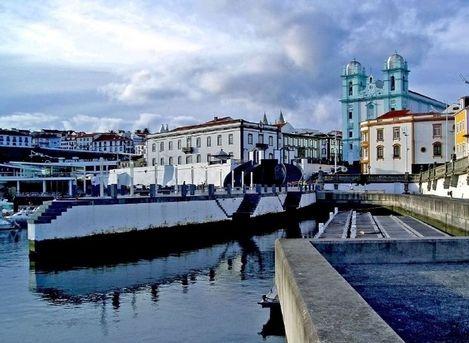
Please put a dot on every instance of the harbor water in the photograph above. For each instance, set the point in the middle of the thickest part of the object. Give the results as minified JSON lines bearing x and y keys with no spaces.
{"x":208,"y":294}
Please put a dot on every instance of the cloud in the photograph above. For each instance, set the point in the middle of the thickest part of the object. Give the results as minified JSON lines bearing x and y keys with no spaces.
{"x":154,"y":62}
{"x":33,"y":121}
{"x":141,"y":87}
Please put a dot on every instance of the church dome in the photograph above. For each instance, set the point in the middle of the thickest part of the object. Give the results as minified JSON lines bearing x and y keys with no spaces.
{"x":353,"y":67}
{"x":395,"y":61}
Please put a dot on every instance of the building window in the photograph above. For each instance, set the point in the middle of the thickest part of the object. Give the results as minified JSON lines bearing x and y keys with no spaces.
{"x":198,"y":142}
{"x":179,"y":144}
{"x":436,"y":130}
{"x":209,"y":141}
{"x":350,"y":88}
{"x":189,"y":142}
{"x":379,"y":135}
{"x":179,"y":160}
{"x":437,"y":149}
{"x":351,"y":146}
{"x":162,"y":161}
{"x":393,"y":83}
{"x":170,"y":161}
{"x":153,"y":161}
{"x":271,"y":156}
{"x":250,"y":138}
{"x":271,"y":140}
{"x":350,"y":134}
{"x":396,"y":133}
{"x":170,"y":145}
{"x":208,"y":158}
{"x":380,"y":152}
{"x":161,"y":146}
{"x":219,"y":140}
{"x":396,"y":151}
{"x":261,"y":138}
{"x":153,"y":147}
{"x":188,"y":159}
{"x":199,"y":158}
{"x":350,"y":115}
{"x":230,"y":138}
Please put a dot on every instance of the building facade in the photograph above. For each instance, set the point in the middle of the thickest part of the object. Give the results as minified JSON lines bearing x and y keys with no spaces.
{"x":15,"y":138}
{"x":401,"y":142}
{"x":239,"y":139}
{"x":366,"y":98}
{"x":113,"y":143}
{"x":461,"y":131}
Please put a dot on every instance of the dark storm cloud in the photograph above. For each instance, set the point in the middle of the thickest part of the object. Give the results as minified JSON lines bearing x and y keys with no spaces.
{"x":193,"y":60}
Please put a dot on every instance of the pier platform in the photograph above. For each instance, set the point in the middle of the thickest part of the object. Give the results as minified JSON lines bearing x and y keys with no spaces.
{"x":364,"y":225}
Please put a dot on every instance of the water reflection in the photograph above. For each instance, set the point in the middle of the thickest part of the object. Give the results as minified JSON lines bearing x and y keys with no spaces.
{"x":112,"y":287}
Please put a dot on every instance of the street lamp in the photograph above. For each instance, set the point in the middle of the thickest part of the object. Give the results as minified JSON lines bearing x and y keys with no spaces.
{"x":406,"y":149}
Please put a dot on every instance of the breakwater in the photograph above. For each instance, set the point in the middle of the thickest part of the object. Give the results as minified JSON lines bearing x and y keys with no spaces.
{"x":94,"y":221}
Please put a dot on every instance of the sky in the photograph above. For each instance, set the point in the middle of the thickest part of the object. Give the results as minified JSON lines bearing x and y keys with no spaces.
{"x":101,"y":65}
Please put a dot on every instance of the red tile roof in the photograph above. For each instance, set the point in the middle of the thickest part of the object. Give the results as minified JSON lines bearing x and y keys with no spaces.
{"x":404,"y":113}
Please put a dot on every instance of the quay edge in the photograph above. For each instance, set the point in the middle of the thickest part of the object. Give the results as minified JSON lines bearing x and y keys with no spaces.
{"x":101,"y":225}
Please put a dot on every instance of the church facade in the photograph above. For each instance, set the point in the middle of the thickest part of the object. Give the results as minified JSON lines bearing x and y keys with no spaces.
{"x":365,"y":98}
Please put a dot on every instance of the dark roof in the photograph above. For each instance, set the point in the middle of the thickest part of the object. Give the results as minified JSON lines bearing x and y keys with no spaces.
{"x":214,"y":122}
{"x":404,"y":113}
{"x":419,"y":94}
{"x":12,"y":132}
{"x":110,"y":137}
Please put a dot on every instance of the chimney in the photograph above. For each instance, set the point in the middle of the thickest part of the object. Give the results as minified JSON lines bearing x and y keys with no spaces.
{"x":215,"y":118}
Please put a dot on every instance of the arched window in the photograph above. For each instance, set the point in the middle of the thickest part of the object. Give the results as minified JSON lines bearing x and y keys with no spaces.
{"x":396,"y":151}
{"x":393,"y":83}
{"x":162,"y":161}
{"x":250,"y":138}
{"x":188,"y":159}
{"x":161,"y":146}
{"x":179,"y":160}
{"x":379,"y":152}
{"x":199,"y":158}
{"x":209,"y":141}
{"x":350,"y":88}
{"x":153,"y":147}
{"x":437,"y":149}
{"x":170,"y":161}
{"x":198,"y":142}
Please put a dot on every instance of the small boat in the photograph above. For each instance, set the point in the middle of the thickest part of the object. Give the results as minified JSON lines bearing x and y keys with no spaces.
{"x":6,"y":224}
{"x":21,"y":217}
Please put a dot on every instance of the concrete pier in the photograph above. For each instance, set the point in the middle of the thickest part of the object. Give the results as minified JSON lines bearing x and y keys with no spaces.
{"x":319,"y":305}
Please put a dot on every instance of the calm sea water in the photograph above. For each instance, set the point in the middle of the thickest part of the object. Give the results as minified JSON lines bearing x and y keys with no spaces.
{"x":204,"y":295}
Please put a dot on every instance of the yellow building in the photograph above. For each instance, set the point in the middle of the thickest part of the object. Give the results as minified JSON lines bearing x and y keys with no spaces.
{"x":461,"y":129}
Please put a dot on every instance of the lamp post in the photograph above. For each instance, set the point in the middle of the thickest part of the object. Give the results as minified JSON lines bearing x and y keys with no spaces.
{"x":406,"y":149}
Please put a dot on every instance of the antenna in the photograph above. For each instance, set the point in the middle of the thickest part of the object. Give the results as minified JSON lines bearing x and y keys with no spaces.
{"x":463,"y":78}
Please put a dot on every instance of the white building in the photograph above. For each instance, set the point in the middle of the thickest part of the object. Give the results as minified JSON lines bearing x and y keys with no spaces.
{"x":239,"y":139}
{"x":401,"y":141}
{"x":85,"y":140}
{"x":112,"y":142}
{"x":16,"y":138}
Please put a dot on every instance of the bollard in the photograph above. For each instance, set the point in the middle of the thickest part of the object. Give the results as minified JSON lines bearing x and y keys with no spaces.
{"x":274,"y":189}
{"x":114,"y":191}
{"x":191,"y":189}
{"x":211,"y":190}
{"x":331,"y":215}
{"x":183,"y":191}
{"x":258,"y":189}
{"x":228,"y":189}
{"x":265,"y":188}
{"x":244,"y":189}
{"x":152,"y":190}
